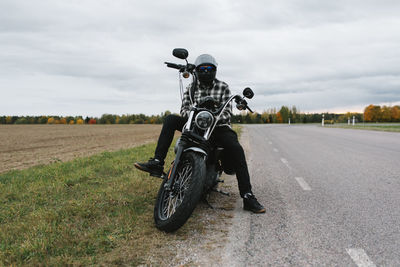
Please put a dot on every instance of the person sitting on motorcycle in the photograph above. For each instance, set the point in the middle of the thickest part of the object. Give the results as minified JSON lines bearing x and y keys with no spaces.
{"x":223,"y":135}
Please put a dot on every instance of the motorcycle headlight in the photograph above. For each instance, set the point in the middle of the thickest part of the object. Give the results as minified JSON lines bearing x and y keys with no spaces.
{"x":204,"y":120}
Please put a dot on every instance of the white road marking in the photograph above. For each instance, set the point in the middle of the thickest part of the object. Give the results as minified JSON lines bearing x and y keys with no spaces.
{"x":360,"y":258}
{"x":275,"y":150}
{"x":285,"y":162}
{"x":303,"y":183}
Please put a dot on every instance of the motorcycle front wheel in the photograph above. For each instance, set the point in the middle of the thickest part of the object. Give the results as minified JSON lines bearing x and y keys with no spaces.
{"x":174,"y":207}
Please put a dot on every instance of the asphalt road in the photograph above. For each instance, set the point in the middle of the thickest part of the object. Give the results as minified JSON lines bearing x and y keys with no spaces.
{"x":332,"y":197}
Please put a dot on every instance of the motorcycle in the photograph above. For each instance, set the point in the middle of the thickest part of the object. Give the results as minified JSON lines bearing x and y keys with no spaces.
{"x":198,"y":164}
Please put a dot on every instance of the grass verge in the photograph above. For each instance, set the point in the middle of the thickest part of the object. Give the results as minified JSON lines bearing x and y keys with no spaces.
{"x":375,"y":127}
{"x":237,"y":128}
{"x":96,"y":210}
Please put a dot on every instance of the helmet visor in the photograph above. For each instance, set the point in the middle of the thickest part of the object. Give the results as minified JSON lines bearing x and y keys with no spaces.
{"x":206,"y":68}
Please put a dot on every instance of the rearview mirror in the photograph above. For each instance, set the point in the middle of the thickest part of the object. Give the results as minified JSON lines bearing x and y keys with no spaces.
{"x":181,"y":53}
{"x":248,"y":93}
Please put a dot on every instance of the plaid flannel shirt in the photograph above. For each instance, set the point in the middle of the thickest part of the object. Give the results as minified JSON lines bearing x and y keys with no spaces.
{"x":219,"y":91}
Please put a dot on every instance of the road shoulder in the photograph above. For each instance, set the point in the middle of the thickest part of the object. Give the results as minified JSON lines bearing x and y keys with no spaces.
{"x":208,"y":242}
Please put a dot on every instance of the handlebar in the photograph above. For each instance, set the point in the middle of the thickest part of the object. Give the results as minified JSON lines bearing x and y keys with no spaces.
{"x":188,"y":67}
{"x":241,"y":103}
{"x":174,"y":66}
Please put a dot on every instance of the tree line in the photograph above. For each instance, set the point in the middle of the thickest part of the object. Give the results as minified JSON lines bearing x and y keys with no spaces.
{"x":104,"y":119}
{"x":372,"y":113}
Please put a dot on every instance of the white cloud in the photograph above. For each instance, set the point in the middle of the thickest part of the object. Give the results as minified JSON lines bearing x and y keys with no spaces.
{"x":94,"y":57}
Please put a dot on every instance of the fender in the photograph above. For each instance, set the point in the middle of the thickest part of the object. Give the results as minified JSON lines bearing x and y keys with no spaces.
{"x":196,"y":149}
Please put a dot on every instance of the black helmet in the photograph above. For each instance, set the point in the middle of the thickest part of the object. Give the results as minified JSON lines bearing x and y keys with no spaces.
{"x":206,"y":68}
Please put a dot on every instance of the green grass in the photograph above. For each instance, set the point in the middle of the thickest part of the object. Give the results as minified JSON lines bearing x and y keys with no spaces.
{"x":374,"y":127}
{"x":238,"y":129}
{"x":89,"y":211}
{"x":96,"y":210}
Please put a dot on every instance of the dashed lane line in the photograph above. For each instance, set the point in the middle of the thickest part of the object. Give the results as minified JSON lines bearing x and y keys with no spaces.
{"x":360,"y":258}
{"x":303,"y":184}
{"x":285,"y":162}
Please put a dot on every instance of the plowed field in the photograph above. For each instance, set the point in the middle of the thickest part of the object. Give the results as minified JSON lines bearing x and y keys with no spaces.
{"x":23,"y":146}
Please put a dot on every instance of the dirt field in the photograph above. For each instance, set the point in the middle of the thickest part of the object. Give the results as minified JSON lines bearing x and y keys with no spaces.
{"x":23,"y":146}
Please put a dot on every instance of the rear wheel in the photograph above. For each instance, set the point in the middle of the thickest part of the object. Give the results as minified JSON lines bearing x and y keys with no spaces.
{"x":174,"y":207}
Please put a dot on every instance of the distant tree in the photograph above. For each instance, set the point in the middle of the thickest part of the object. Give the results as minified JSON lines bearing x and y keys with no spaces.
{"x":247,"y":118}
{"x":50,"y":120}
{"x":372,"y":113}
{"x":279,"y":118}
{"x":272,"y":118}
{"x":255,"y":117}
{"x":293,"y":115}
{"x":303,"y":118}
{"x":284,"y":113}
{"x":107,"y":119}
{"x":138,"y":121}
{"x":22,"y":120}
{"x":343,"y":118}
{"x":14,"y":119}
{"x":265,"y":117}
{"x":80,"y":121}
{"x":386,"y":114}
{"x":124,"y":119}
{"x":395,"y":113}
{"x":43,"y":120}
{"x":11,"y":119}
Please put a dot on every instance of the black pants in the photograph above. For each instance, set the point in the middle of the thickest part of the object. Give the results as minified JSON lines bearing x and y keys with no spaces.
{"x":222,"y":136}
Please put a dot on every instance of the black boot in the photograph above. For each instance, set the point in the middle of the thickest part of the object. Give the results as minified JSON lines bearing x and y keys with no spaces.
{"x":250,"y":203}
{"x":153,"y":166}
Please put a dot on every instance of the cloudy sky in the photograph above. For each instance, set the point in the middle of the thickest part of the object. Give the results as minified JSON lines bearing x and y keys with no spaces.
{"x":90,"y":57}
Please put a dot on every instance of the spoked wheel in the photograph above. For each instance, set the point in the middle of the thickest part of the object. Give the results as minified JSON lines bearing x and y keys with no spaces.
{"x":174,"y":207}
{"x":174,"y":198}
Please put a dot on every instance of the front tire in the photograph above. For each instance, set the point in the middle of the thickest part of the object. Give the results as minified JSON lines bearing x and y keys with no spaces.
{"x":173,"y":208}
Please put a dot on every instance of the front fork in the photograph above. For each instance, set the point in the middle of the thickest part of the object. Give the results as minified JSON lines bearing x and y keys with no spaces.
{"x":172,"y":171}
